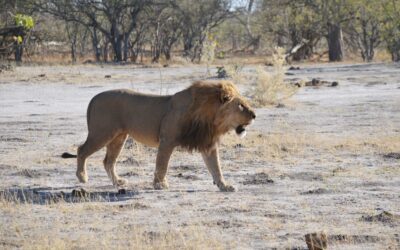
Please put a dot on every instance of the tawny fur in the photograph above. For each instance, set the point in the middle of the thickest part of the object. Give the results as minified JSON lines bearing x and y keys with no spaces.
{"x":194,"y":119}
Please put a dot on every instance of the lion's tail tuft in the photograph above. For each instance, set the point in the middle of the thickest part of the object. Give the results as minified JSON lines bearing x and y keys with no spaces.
{"x":68,"y":155}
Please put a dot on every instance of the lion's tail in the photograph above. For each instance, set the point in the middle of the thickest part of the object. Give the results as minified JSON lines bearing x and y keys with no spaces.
{"x":68,"y":155}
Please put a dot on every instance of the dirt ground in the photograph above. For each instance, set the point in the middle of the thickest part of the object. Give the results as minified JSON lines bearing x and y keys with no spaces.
{"x":327,"y":159}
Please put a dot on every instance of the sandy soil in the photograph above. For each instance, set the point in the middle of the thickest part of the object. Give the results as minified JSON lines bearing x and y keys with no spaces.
{"x":326,"y":160}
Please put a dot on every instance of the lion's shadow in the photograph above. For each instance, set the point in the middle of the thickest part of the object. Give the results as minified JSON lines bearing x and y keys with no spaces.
{"x":48,"y":195}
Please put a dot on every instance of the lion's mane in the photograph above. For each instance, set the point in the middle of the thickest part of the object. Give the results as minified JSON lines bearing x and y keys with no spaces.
{"x":199,"y":131}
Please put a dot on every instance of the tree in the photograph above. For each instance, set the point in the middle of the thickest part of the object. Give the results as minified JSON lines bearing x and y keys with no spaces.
{"x":331,"y":14}
{"x":245,"y":15}
{"x":18,"y":25}
{"x":391,"y":27}
{"x":197,"y":19}
{"x":116,"y":20}
{"x":305,"y":30}
{"x":365,"y":28}
{"x":166,"y":29}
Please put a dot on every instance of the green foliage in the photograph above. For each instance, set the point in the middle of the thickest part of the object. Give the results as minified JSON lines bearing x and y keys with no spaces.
{"x":391,"y":27}
{"x":25,"y":21}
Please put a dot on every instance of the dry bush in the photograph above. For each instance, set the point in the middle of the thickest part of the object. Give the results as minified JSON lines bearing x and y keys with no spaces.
{"x":270,"y":88}
{"x":235,"y":72}
{"x":208,"y":52}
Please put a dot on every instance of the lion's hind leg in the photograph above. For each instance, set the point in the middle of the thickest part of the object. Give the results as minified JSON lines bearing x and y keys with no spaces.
{"x":92,"y":144}
{"x":113,"y":151}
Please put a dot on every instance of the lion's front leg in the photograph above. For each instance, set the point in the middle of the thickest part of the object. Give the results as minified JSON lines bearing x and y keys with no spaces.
{"x":163,"y":155}
{"x":211,"y":158}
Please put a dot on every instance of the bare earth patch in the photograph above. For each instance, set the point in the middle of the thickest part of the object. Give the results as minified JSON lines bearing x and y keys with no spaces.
{"x":324,"y":161}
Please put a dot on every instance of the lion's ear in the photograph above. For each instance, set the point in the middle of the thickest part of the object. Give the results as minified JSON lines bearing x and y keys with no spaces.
{"x":225,"y":98}
{"x":224,"y":95}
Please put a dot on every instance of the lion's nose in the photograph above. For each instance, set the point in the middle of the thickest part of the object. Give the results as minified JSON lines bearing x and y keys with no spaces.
{"x":253,"y":115}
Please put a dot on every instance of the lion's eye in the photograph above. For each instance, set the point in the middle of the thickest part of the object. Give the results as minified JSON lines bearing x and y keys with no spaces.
{"x":241,"y":107}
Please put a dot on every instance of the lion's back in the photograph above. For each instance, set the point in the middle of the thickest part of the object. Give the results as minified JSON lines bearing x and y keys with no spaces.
{"x":126,"y":110}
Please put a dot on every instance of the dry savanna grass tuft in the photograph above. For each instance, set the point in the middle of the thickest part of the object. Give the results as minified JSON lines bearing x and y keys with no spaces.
{"x":270,"y":86}
{"x":280,"y":145}
{"x":23,"y":229}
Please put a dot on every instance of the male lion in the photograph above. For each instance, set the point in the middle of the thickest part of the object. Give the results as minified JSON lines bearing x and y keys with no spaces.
{"x":194,"y":119}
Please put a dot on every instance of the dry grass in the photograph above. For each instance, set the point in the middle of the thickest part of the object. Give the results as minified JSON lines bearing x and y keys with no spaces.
{"x":26,"y":229}
{"x":284,"y":145}
{"x":346,"y":163}
{"x":270,"y":88}
{"x":235,"y":71}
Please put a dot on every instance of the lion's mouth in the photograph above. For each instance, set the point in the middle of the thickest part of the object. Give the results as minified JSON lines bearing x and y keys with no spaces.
{"x":241,"y":131}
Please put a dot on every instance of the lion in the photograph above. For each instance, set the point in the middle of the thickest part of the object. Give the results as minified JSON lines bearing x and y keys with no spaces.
{"x":194,"y":119}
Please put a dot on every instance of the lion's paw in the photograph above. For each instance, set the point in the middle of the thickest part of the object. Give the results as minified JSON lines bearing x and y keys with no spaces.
{"x":226,"y":188}
{"x":82,"y":177}
{"x":120,"y":182}
{"x":160,"y":185}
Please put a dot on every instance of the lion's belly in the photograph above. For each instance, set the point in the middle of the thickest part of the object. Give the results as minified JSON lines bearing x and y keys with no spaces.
{"x":148,"y":140}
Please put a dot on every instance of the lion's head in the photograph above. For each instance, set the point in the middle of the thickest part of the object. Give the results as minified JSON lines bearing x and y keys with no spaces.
{"x":216,"y":108}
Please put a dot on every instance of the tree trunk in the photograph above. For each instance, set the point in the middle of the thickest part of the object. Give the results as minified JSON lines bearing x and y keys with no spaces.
{"x":156,"y":53}
{"x":18,"y":52}
{"x":335,"y":43}
{"x":280,"y":40}
{"x":116,"y":43}
{"x":126,"y":47}
{"x":95,"y":43}
{"x":187,"y":45}
{"x":234,"y":42}
{"x":167,"y":53}
{"x":82,"y":43}
{"x":73,"y":51}
{"x":396,"y":56}
{"x":105,"y":52}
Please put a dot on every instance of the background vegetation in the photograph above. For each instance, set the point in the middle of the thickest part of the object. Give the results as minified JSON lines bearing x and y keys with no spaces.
{"x":138,"y":30}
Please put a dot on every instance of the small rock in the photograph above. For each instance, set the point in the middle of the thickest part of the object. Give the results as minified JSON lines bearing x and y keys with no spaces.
{"x":280,"y":105}
{"x":316,"y":241}
{"x":316,"y":191}
{"x":392,"y":155}
{"x":187,"y":177}
{"x":284,"y":149}
{"x":107,"y":76}
{"x":121,"y":191}
{"x":355,"y":239}
{"x":315,"y":81}
{"x":221,"y":72}
{"x":130,"y":173}
{"x":258,"y":179}
{"x":384,"y":217}
{"x":297,"y":84}
{"x":334,"y":84}
{"x":42,"y":75}
{"x":294,"y":68}
{"x":239,"y":145}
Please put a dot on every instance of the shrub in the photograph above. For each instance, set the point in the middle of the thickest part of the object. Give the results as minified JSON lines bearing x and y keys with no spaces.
{"x":270,"y":88}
